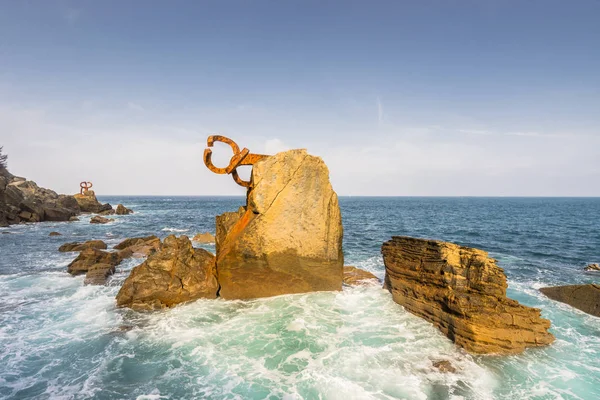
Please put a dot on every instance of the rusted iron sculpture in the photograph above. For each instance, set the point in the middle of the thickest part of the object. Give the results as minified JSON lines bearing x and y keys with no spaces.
{"x":85,"y":186}
{"x":239,"y":158}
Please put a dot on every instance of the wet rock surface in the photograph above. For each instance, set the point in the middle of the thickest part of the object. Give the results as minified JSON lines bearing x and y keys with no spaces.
{"x":100,"y":220}
{"x":89,"y":203}
{"x":355,"y":276}
{"x":583,"y":297}
{"x":592,"y":267}
{"x":175,"y":274}
{"x":80,"y":246}
{"x":463,"y":292}
{"x":90,"y":257}
{"x":288,"y":238}
{"x":138,"y":247}
{"x":122,"y":210}
{"x":205,"y":237}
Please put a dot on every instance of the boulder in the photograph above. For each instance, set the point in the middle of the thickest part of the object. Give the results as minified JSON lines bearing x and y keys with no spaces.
{"x":73,"y":219}
{"x":89,"y":203}
{"x":55,"y":234}
{"x":97,"y":274}
{"x":122,"y":210}
{"x":204,"y":238}
{"x":355,"y":276}
{"x":175,"y":274}
{"x":80,"y":246}
{"x":462,"y":292}
{"x":592,"y":267}
{"x":89,"y":257}
{"x":100,"y":220}
{"x":288,"y":237}
{"x":107,"y":212}
{"x":583,"y":297}
{"x":138,"y":247}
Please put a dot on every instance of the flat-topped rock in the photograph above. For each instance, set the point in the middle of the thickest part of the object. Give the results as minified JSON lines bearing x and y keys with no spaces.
{"x":100,"y":220}
{"x":175,"y":274}
{"x":463,"y":292}
{"x":80,"y":246}
{"x":583,"y":297}
{"x":288,"y":237}
{"x":138,"y":247}
{"x":205,"y":237}
{"x":89,"y":203}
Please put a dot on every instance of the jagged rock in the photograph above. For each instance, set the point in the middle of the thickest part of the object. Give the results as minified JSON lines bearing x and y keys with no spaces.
{"x":107,"y":212}
{"x":100,"y":220}
{"x":583,"y":297}
{"x":288,"y":238}
{"x":79,"y":246}
{"x":463,"y":292}
{"x":138,"y":247}
{"x":592,"y":267}
{"x":97,"y":274}
{"x":24,"y":201}
{"x":175,"y":274}
{"x":55,"y":234}
{"x":89,"y":203}
{"x":122,"y":210}
{"x":355,"y":276}
{"x":89,"y":257}
{"x":444,"y":366}
{"x":204,"y":238}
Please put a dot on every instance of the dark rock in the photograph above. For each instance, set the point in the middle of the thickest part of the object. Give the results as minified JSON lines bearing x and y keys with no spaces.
{"x":583,"y":297}
{"x":98,"y":273}
{"x":89,"y":257}
{"x":100,"y":220}
{"x":122,"y":210}
{"x":462,"y":292}
{"x":55,"y":234}
{"x":107,"y":212}
{"x":78,"y":246}
{"x":444,"y":366}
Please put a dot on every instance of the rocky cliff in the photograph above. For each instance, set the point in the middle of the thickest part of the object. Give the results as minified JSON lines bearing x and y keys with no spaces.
{"x":463,"y":292}
{"x":288,"y":238}
{"x":24,"y":201}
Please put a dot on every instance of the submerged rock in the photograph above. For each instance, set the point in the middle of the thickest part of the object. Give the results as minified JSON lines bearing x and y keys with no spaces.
{"x":463,"y":292}
{"x":175,"y":274}
{"x":592,"y":267}
{"x":444,"y":366}
{"x":90,"y":257}
{"x":55,"y":234}
{"x":583,"y":297}
{"x":355,"y":276}
{"x":107,"y":212}
{"x":288,"y":238}
{"x":80,"y":246}
{"x":122,"y":210}
{"x":89,"y":203}
{"x":100,"y":220}
{"x":138,"y":247}
{"x":205,"y":237}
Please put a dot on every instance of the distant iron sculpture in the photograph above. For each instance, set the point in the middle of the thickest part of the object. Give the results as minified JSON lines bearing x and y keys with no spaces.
{"x":239,"y":158}
{"x":85,"y":186}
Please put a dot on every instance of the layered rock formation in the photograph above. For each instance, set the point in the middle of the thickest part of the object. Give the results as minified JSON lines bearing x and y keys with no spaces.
{"x":355,"y":276}
{"x":288,"y":238}
{"x":592,"y":267}
{"x":90,"y":257}
{"x":175,"y":274}
{"x":24,"y":201}
{"x":80,"y":246}
{"x":583,"y":297}
{"x":463,"y":292}
{"x":89,"y":203}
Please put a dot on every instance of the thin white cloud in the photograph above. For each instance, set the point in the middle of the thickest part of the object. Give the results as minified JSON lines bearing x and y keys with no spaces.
{"x":135,"y":106}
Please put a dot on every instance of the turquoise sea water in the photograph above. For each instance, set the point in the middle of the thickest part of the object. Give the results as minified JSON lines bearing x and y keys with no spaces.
{"x":60,"y":339}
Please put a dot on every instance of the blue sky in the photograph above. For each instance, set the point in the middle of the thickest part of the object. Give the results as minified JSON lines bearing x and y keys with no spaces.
{"x":434,"y":97}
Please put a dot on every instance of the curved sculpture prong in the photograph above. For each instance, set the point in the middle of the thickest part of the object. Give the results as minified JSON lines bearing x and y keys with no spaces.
{"x":243,"y":157}
{"x":85,"y":186}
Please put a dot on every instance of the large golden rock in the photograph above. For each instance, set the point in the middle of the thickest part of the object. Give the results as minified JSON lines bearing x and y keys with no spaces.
{"x":583,"y":297}
{"x":174,"y":274}
{"x":288,"y":239}
{"x":90,"y":257}
{"x":89,"y":203}
{"x":463,"y":292}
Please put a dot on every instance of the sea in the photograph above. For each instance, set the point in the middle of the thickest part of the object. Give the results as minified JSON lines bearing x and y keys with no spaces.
{"x":60,"y":339}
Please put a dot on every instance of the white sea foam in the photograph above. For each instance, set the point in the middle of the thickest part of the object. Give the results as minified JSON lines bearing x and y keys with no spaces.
{"x":174,"y":230}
